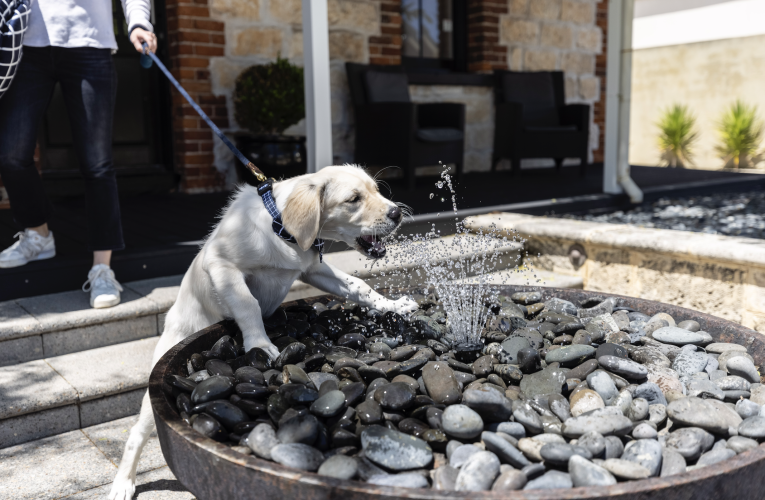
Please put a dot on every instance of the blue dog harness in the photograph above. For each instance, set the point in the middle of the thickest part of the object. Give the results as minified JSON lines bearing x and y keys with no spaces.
{"x":265,"y":190}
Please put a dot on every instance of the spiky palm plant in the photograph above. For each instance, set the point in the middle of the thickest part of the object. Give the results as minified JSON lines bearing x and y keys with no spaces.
{"x":740,"y":133}
{"x":677,"y":134}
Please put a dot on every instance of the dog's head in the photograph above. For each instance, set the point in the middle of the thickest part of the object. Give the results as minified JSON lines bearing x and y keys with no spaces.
{"x":341,"y":204}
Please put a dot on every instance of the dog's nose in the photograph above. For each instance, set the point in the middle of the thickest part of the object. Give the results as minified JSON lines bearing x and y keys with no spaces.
{"x":394,"y":214}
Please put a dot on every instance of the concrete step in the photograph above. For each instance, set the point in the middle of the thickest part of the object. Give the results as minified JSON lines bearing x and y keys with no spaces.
{"x":54,"y":395}
{"x":81,"y":465}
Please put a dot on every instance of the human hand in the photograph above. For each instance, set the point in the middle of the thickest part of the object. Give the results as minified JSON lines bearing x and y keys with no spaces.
{"x":139,"y":35}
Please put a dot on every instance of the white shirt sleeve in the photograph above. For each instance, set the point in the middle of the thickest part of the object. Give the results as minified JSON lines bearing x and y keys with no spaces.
{"x":138,"y":14}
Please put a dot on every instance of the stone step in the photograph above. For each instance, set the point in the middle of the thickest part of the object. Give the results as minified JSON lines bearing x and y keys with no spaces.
{"x":58,"y":394}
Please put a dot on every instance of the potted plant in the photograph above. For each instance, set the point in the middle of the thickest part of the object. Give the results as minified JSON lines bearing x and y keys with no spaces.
{"x":268,"y":98}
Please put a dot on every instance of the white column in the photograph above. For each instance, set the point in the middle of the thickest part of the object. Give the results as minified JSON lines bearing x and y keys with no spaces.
{"x":613,"y":91}
{"x":318,"y":112}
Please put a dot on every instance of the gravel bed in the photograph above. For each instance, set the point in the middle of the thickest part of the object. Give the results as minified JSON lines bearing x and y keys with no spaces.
{"x":730,"y":214}
{"x":556,"y":395}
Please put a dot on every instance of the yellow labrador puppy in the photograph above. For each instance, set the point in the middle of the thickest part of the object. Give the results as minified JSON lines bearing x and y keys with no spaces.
{"x":245,"y":268}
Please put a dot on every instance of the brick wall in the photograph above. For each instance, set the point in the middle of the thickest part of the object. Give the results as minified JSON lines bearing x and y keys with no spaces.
{"x":485,"y":53}
{"x":193,"y":38}
{"x":601,"y":17}
{"x":386,"y":47}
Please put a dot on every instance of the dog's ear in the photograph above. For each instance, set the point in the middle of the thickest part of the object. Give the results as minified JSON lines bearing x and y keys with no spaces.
{"x":302,"y":212}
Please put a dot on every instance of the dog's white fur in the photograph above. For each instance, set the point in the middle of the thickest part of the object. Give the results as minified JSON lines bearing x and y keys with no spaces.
{"x":244,"y":270}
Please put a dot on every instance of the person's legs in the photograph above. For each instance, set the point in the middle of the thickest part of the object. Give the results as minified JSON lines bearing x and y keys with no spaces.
{"x":89,"y":84}
{"x":21,"y":110}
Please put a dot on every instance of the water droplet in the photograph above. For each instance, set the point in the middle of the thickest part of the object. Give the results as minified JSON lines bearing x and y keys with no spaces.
{"x":442,"y":199}
{"x":431,"y":196}
{"x":439,"y":184}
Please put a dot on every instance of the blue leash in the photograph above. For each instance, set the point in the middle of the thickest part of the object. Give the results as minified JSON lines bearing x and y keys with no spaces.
{"x":146,"y":59}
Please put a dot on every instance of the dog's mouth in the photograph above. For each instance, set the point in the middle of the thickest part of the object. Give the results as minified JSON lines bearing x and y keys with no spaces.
{"x":372,"y":246}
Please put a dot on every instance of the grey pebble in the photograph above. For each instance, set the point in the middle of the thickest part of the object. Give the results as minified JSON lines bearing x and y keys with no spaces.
{"x":262,"y":440}
{"x":752,"y":427}
{"x":403,"y":480}
{"x":646,"y":452}
{"x":713,"y":456}
{"x":740,"y":444}
{"x":509,"y":481}
{"x":340,"y":467}
{"x":461,"y":422}
{"x":585,"y":473}
{"x":478,"y":473}
{"x":550,"y":480}
{"x":461,"y":455}
{"x":672,"y":463}
{"x":298,"y":456}
{"x":504,"y":450}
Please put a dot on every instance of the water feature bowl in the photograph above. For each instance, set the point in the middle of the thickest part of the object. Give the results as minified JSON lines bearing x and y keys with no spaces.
{"x":213,"y":471}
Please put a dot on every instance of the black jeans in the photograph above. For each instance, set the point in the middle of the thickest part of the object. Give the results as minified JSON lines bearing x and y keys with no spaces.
{"x":89,"y":85}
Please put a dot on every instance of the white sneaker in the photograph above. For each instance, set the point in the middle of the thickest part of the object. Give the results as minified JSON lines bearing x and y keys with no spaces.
{"x":103,"y":287}
{"x":30,"y":247}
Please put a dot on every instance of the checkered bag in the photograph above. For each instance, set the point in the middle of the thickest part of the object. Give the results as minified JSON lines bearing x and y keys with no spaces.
{"x":14,"y":17}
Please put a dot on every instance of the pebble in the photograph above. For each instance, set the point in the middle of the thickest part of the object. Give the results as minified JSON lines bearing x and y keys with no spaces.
{"x":600,"y":382}
{"x":570,"y":355}
{"x":404,"y":480}
{"x":394,"y":396}
{"x":558,"y":454}
{"x":445,"y":478}
{"x":678,"y":336}
{"x":340,"y":467}
{"x":740,"y":444}
{"x":753,"y":427}
{"x":329,"y":405}
{"x":395,"y":450}
{"x":503,"y":449}
{"x":298,"y":456}
{"x":526,"y":416}
{"x":547,"y":381}
{"x":672,"y":463}
{"x":511,"y":347}
{"x":510,"y":480}
{"x":704,"y":389}
{"x":461,"y":422}
{"x":657,"y":414}
{"x":687,"y":363}
{"x":721,"y":347}
{"x":624,"y":367}
{"x":646,"y":452}
{"x":743,"y":367}
{"x":440,"y":383}
{"x":605,"y":423}
{"x":585,"y":473}
{"x":644,"y":431}
{"x":300,"y":429}
{"x":460,"y":455}
{"x":651,"y":393}
{"x":625,"y":469}
{"x":709,"y":414}
{"x":585,"y":401}
{"x":478,"y":472}
{"x":262,"y":440}
{"x":714,"y":456}
{"x":550,"y":480}
{"x":690,"y":442}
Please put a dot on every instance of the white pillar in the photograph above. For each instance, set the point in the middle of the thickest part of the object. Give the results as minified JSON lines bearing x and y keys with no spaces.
{"x":318,"y":112}
{"x":616,"y":167}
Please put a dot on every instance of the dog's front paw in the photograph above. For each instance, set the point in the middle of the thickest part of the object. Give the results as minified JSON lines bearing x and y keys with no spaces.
{"x":402,"y":306}
{"x":268,"y":347}
{"x":122,"y":489}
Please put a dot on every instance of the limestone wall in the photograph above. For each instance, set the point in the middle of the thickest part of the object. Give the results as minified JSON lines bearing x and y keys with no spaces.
{"x":705,"y":76}
{"x":719,"y":275}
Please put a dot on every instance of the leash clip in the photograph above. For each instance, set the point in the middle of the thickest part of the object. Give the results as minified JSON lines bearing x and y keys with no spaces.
{"x":257,"y":172}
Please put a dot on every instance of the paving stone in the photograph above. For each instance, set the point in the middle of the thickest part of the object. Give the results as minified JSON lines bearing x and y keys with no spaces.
{"x":159,"y":484}
{"x":128,"y":368}
{"x":38,"y":425}
{"x":32,"y":386}
{"x":110,"y":439}
{"x":94,"y":336}
{"x":53,"y":467}
{"x":21,"y":350}
{"x":163,"y":291}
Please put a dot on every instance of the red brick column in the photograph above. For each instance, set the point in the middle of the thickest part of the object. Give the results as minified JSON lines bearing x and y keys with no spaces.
{"x":600,"y":72}
{"x":193,"y":38}
{"x":484,"y":51}
{"x":386,"y":48}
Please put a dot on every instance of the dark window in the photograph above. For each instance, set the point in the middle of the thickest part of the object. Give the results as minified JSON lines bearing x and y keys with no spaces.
{"x":434,"y":34}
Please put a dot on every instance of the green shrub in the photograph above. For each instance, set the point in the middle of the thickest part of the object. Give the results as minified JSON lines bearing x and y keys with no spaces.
{"x":268,"y":98}
{"x":740,"y":133}
{"x":677,"y":135}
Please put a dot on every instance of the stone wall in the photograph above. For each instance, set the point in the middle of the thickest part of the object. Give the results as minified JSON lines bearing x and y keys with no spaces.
{"x":719,"y":275}
{"x":524,"y":35}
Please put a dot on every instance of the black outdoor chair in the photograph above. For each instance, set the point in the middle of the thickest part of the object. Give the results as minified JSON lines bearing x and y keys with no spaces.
{"x":392,"y":130}
{"x":533,"y":120}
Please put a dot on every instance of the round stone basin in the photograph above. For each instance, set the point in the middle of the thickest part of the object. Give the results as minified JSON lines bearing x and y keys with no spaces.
{"x":213,"y":471}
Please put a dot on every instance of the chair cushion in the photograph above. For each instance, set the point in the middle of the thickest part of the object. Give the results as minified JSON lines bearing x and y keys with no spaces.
{"x":559,"y":128}
{"x":386,"y":87}
{"x":536,"y":93}
{"x":439,"y":134}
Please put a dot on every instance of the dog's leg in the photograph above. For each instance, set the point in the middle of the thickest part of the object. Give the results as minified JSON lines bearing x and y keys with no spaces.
{"x":232,"y":290}
{"x":123,"y":487}
{"x":332,"y":280}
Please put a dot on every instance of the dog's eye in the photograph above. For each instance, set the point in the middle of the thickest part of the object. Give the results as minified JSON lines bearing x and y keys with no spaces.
{"x":355,"y":199}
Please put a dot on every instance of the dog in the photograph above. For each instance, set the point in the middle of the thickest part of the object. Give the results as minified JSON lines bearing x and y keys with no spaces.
{"x":245,"y":269}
